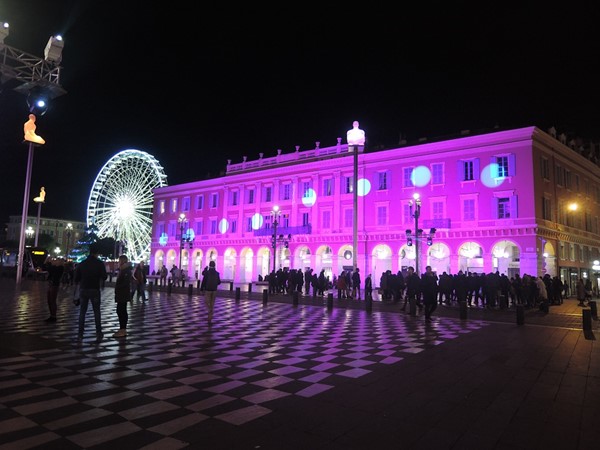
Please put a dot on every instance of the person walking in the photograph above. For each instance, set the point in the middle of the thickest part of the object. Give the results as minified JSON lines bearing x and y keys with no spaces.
{"x":368,"y":288}
{"x":122,"y":294}
{"x":90,"y":276}
{"x":139,"y":282}
{"x":211,"y":280}
{"x":55,"y":268}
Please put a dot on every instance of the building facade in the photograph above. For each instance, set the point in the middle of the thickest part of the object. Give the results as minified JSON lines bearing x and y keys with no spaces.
{"x":65,"y":233}
{"x":518,"y":201}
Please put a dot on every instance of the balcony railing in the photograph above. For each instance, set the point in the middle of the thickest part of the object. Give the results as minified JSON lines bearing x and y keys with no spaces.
{"x":294,"y":231}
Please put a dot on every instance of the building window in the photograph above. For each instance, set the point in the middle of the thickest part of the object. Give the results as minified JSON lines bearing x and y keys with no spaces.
{"x":161,"y":206}
{"x":502,"y":162}
{"x":468,"y":169}
{"x":348,"y":185}
{"x":174,"y":205}
{"x":214,"y":200}
{"x":382,"y":216}
{"x":172,"y":229}
{"x":200,"y":202}
{"x":285,"y":220}
{"x":199,"y":227}
{"x":213,"y":226}
{"x":503,"y":208}
{"x":326,"y":222}
{"x":161,"y":229}
{"x":185,"y":204}
{"x":406,"y":216}
{"x":268,"y":194}
{"x":469,"y":209}
{"x":437,"y":209}
{"x":437,"y":173}
{"x":250,"y":194}
{"x":305,"y":219}
{"x":233,"y":223}
{"x":306,"y":189}
{"x":328,"y":187}
{"x":545,"y":163}
{"x":407,"y":177}
{"x":546,"y":209}
{"x":348,"y":218}
{"x":249,"y":224}
{"x":568,"y":180}
{"x":286,"y":192}
{"x":383,"y":181}
{"x":234,"y":198}
{"x":559,"y":175}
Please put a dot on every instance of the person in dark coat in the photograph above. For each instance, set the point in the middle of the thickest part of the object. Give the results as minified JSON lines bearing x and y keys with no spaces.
{"x":89,"y":276}
{"x":55,"y":268}
{"x":122,"y":294}
{"x":429,"y":290}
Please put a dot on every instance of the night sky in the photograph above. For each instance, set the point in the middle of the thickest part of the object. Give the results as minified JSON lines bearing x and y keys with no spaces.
{"x":195,"y":86}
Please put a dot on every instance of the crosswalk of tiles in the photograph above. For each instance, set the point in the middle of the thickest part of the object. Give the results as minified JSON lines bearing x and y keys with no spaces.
{"x":173,"y":372}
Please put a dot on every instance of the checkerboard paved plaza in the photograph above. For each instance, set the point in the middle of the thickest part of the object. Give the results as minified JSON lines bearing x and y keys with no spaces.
{"x":174,"y":375}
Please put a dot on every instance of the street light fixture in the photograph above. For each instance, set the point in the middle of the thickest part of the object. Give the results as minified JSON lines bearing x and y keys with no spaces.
{"x":69,"y":229}
{"x":277,"y":239}
{"x":36,"y":76}
{"x":184,"y":238}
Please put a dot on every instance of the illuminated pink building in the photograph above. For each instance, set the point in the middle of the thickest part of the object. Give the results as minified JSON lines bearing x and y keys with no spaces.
{"x":518,"y":201}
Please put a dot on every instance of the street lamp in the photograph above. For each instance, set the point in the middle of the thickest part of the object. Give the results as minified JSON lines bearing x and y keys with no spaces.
{"x":39,"y":80}
{"x":275,"y":213}
{"x":356,"y":142}
{"x":419,"y":234}
{"x":182,"y":221}
{"x":275,"y":238}
{"x":69,"y":229}
{"x":415,"y":211}
{"x":29,"y":233}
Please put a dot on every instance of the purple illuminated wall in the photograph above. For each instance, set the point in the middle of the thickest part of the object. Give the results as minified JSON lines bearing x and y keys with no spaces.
{"x":482,"y":194}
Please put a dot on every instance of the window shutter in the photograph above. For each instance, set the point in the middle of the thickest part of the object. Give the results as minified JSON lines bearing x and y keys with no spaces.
{"x":494,"y":214}
{"x":512,"y":165}
{"x":476,"y":169}
{"x":460,"y":170}
{"x":514,"y":210}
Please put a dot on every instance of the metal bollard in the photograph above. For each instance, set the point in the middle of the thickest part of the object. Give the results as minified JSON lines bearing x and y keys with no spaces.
{"x":463,"y":310}
{"x":231,"y":286}
{"x":594,"y":309}
{"x":368,"y":303}
{"x":237,"y":294}
{"x":329,"y":301}
{"x":295,"y":298}
{"x":587,"y":319}
{"x":169,"y":288}
{"x":150,"y":287}
{"x":265,"y":296}
{"x":250,"y":288}
{"x":198,"y":284}
{"x":520,"y":314}
{"x":190,"y":289}
{"x":413,"y":306}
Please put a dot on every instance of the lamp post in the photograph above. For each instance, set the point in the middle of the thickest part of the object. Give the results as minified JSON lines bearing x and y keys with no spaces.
{"x":39,"y":80}
{"x":275,"y":213}
{"x":415,"y":212}
{"x":182,"y":221}
{"x":69,"y":229}
{"x":356,"y":142}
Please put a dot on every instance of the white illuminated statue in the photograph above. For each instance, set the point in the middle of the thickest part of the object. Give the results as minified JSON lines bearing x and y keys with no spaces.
{"x":355,"y":136}
{"x":41,"y":197}
{"x":29,"y":130}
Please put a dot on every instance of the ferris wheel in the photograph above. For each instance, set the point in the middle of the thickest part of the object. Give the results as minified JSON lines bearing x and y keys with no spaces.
{"x":121,"y":200}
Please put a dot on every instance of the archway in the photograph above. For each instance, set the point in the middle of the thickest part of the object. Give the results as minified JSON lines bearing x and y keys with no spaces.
{"x":438,"y":257}
{"x":381,"y":261}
